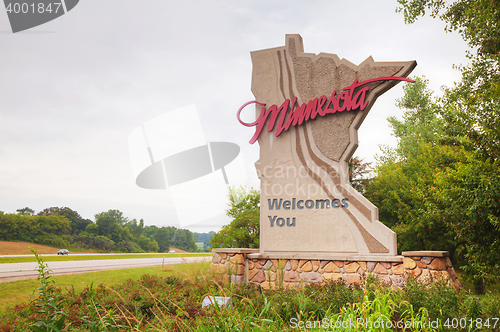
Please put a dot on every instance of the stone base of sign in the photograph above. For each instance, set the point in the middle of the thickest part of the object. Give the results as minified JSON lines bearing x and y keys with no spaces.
{"x":290,"y":270}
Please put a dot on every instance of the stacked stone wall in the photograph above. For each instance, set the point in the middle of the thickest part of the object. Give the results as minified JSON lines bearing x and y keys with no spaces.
{"x":292,"y":272}
{"x":231,"y":264}
{"x":427,"y":269}
{"x":240,"y":267}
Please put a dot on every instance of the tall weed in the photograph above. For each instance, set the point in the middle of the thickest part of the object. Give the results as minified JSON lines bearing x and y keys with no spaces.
{"x":46,"y":308}
{"x":379,"y":312}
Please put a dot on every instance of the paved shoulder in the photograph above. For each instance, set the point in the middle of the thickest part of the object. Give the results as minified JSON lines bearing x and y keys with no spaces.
{"x":17,"y":271}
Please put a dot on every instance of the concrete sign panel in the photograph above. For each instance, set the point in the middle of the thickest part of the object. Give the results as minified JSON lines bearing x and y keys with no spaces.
{"x":308,"y":111}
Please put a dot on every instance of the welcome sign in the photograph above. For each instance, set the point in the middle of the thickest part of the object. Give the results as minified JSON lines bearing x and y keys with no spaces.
{"x":308,"y":110}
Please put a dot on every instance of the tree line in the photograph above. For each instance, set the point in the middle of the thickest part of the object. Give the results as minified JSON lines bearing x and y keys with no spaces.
{"x":110,"y":231}
{"x":439,"y":189}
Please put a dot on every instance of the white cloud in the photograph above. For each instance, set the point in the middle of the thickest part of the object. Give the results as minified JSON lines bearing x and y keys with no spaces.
{"x":71,"y":97}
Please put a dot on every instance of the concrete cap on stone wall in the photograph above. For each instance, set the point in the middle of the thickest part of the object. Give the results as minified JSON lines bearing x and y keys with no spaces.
{"x":326,"y":256}
{"x":426,"y":253}
{"x":235,"y":250}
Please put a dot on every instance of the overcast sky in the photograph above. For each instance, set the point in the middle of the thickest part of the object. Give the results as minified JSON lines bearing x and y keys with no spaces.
{"x":73,"y":90}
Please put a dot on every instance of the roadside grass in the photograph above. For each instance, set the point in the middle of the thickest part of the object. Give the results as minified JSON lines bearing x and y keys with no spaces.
{"x":96,"y":257}
{"x":163,"y":302}
{"x":17,"y":292}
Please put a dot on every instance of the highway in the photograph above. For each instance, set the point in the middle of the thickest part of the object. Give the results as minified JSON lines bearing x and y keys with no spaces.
{"x":18,"y":271}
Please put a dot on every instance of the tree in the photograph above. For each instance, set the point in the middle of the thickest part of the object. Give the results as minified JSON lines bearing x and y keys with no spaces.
{"x":53,"y":224}
{"x":475,"y":100}
{"x":439,"y":189}
{"x":78,"y":224}
{"x":106,"y":225}
{"x":243,"y":231}
{"x":42,"y":229}
{"x":162,"y":237}
{"x":92,"y":229}
{"x":183,"y":239}
{"x":471,"y":192}
{"x":358,"y":171}
{"x":477,"y":21}
{"x":116,"y":215}
{"x":25,"y":211}
{"x":135,"y":229}
{"x":52,"y":230}
{"x":471,"y":115}
{"x":147,"y":244}
{"x":206,"y":241}
{"x":167,"y":237}
{"x":17,"y":227}
{"x":406,"y":175}
{"x":110,"y":225}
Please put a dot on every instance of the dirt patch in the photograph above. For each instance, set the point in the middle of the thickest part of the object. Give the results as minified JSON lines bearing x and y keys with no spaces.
{"x":178,"y":251}
{"x":22,"y":248}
